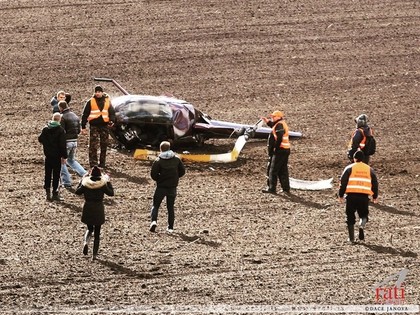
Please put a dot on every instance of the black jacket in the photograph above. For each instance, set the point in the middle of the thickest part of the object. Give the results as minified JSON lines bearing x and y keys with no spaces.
{"x":53,"y":139}
{"x":94,"y":190}
{"x":357,"y":138}
{"x":71,"y":124}
{"x":273,"y":145}
{"x":167,"y":169}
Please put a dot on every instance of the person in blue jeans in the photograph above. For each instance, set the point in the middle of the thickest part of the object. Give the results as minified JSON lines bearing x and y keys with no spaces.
{"x":166,"y":171}
{"x":71,"y":124}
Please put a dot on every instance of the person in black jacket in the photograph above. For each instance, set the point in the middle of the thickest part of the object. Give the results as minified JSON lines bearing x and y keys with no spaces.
{"x":358,"y":139}
{"x":166,"y":171}
{"x":71,"y":124}
{"x":53,"y":139}
{"x":278,"y":146}
{"x":93,"y":186}
{"x":358,"y":181}
{"x":100,"y":114}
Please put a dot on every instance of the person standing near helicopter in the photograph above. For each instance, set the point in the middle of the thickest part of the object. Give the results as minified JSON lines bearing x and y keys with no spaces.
{"x":278,"y":153}
{"x":100,"y":114}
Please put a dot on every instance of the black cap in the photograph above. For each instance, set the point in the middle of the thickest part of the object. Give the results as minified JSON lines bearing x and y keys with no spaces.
{"x":359,"y":156}
{"x":99,"y":88}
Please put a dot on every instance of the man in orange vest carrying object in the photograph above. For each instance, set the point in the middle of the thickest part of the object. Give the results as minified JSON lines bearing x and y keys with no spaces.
{"x":100,"y":114}
{"x":358,"y":182}
{"x":278,"y":153}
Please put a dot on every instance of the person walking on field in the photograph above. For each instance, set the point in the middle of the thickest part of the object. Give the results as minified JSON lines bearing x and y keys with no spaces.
{"x":53,"y":139}
{"x":358,"y":182}
{"x":166,"y":171}
{"x":100,"y":114}
{"x":71,"y":124}
{"x":359,"y":139}
{"x":278,"y":153}
{"x":94,"y":186}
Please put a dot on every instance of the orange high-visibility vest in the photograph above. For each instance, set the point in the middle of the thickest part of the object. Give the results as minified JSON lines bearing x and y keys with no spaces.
{"x":362,"y":143}
{"x":95,"y":112}
{"x":360,"y":180}
{"x":285,"y":144}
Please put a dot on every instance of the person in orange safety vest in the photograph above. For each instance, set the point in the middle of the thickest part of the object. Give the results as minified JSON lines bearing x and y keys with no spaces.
{"x":100,"y":114}
{"x":358,"y":182}
{"x":278,"y":153}
{"x":358,"y":138}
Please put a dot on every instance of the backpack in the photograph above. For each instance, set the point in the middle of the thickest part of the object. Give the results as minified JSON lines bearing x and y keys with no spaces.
{"x":370,"y":144}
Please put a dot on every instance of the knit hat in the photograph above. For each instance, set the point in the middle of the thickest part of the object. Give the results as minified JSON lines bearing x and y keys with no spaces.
{"x":99,"y":88}
{"x":96,"y":172}
{"x":358,"y":156}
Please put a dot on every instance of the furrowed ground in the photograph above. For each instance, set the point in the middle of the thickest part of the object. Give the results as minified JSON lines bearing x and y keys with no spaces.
{"x":322,"y":62}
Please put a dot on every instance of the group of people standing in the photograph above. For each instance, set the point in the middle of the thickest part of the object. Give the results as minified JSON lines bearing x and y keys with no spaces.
{"x":65,"y":127}
{"x":358,"y":181}
{"x":59,"y":139}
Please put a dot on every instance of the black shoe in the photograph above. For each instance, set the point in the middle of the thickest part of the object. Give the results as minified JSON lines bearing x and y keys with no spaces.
{"x":48,"y":192}
{"x":85,"y":249}
{"x":361,"y":234}
{"x":153,"y":226}
{"x":70,"y":189}
{"x":56,"y":197}
{"x":269,"y":191}
{"x":350,"y":229}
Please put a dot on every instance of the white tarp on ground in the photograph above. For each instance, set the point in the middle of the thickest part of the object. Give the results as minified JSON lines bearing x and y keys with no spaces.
{"x":310,"y":185}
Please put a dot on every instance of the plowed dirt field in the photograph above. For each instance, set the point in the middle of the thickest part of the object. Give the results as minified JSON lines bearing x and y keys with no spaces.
{"x":323,"y":62}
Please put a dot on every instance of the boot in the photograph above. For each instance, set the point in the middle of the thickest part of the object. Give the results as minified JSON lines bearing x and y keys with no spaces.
{"x":56,"y":196}
{"x":48,"y":191}
{"x":95,"y":248}
{"x":351,"y":233}
{"x":361,"y":228}
{"x":88,"y":236}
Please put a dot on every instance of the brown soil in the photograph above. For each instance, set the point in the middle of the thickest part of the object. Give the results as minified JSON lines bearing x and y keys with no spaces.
{"x":322,"y":62}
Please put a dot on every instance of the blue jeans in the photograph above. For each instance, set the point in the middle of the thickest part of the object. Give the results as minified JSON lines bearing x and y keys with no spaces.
{"x":71,"y":161}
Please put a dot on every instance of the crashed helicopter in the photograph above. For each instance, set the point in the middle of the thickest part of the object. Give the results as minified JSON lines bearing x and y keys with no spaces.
{"x":143,"y":121}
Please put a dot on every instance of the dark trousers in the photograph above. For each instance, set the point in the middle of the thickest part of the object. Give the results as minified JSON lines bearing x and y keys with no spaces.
{"x":356,"y":203}
{"x":278,"y":168}
{"x":52,"y":169}
{"x":159,"y":195}
{"x":96,"y":236}
{"x":98,"y":138}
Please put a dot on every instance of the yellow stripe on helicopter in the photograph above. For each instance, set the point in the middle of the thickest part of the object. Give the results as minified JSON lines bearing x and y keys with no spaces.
{"x":232,"y":156}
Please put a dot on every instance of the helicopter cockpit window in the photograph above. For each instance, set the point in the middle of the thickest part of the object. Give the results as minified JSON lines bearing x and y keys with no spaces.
{"x":146,"y":111}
